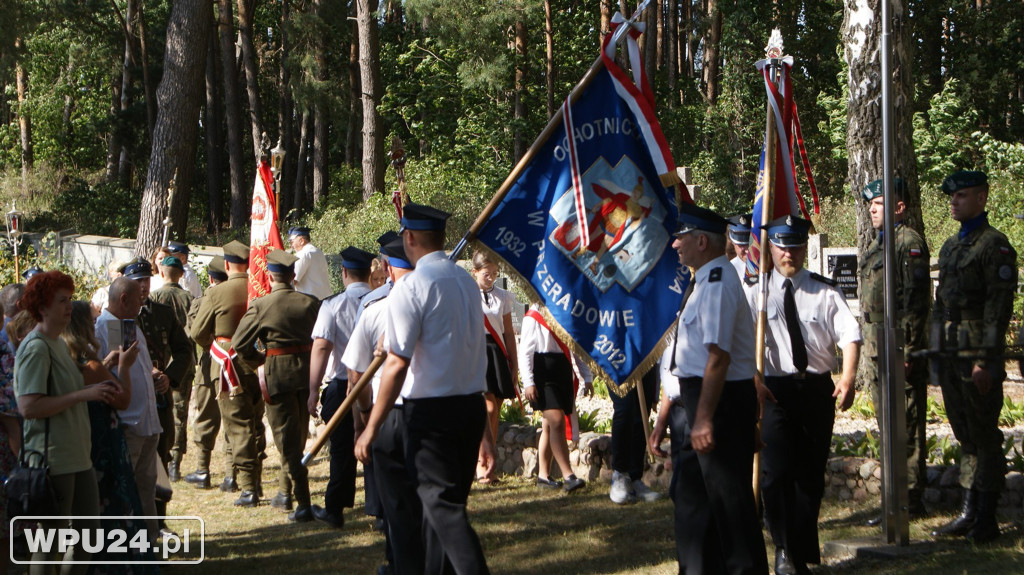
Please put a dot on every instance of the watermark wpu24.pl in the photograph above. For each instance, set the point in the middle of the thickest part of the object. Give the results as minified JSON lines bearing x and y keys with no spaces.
{"x":118,"y":545}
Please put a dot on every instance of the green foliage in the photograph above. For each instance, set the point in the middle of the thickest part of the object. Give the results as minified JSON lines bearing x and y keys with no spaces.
{"x":863,"y":406}
{"x":936,"y":411}
{"x":592,"y":421}
{"x":1011,"y":414}
{"x":944,"y":451}
{"x":511,"y":413}
{"x":600,"y":388}
{"x":1014,"y":457}
{"x":85,"y":283}
{"x":857,"y":445}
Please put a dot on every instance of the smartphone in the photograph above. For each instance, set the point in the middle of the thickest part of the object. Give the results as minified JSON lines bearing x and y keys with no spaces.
{"x":127,"y":333}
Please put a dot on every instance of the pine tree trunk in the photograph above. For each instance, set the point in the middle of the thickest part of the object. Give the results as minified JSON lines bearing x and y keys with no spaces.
{"x":113,"y":136}
{"x":355,"y":95}
{"x":606,"y":18}
{"x":861,"y":33}
{"x":24,"y":121}
{"x":671,"y":46}
{"x":518,"y":101}
{"x":299,"y":193}
{"x":712,"y":61}
{"x":214,"y":141}
{"x":124,"y":175}
{"x":147,"y":82}
{"x":320,"y":123}
{"x":369,"y":72}
{"x":239,"y":213}
{"x":179,"y":99}
{"x":252,"y":71}
{"x":549,"y":57}
{"x":286,"y":117}
{"x":650,"y":41}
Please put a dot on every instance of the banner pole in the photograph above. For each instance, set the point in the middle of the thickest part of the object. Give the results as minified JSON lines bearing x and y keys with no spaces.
{"x":343,"y":409}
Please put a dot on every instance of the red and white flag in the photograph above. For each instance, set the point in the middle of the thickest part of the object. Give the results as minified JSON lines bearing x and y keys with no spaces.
{"x":264,"y":235}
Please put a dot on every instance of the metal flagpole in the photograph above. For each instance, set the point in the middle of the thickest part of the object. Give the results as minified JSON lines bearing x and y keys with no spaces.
{"x":896,"y":520}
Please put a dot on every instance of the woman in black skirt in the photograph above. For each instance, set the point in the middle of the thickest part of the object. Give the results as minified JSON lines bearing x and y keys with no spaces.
{"x":502,"y":371}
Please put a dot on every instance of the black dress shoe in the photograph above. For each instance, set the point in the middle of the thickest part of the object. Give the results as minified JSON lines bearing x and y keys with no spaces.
{"x":875,"y":521}
{"x":173,"y":471}
{"x":301,"y":515}
{"x":321,"y":514}
{"x":783,"y":566}
{"x":248,"y":499}
{"x":281,"y":501}
{"x":200,"y":479}
{"x":229,"y":485}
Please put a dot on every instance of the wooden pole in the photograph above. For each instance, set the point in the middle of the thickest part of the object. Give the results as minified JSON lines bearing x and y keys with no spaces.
{"x":343,"y":409}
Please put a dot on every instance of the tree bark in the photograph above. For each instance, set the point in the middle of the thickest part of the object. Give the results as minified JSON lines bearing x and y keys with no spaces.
{"x":286,"y":115}
{"x":861,"y":32}
{"x":606,"y":18}
{"x":147,"y":82}
{"x":650,"y":41}
{"x":252,"y":71}
{"x":233,"y":115}
{"x":518,"y":100}
{"x":214,"y":141}
{"x":369,"y":72}
{"x":549,"y":57}
{"x":24,"y":121}
{"x":127,"y":68}
{"x":113,"y":136}
{"x":712,"y":60}
{"x":179,"y":98}
{"x":320,"y":122}
{"x":671,"y":47}
{"x":299,"y":193}
{"x":355,"y":95}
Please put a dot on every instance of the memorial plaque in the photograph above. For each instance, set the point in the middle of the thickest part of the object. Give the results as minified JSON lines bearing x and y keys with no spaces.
{"x":843,"y":269}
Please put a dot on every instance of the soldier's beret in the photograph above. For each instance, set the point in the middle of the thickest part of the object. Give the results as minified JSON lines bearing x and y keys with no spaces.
{"x":395,"y":250}
{"x":693,"y":217}
{"x":178,"y":248}
{"x":875,"y":189}
{"x":739,"y":229}
{"x":280,"y":261}
{"x":788,"y":231}
{"x":236,"y":252}
{"x":137,"y":269}
{"x":963,"y":179}
{"x":353,"y":258}
{"x":418,"y":217}
{"x":172,"y":262}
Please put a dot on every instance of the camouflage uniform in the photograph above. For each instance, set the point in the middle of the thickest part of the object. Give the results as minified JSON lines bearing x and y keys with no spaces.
{"x":913,"y":300}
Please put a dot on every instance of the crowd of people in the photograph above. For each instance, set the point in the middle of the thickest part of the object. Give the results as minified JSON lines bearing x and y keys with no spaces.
{"x":104,"y":388}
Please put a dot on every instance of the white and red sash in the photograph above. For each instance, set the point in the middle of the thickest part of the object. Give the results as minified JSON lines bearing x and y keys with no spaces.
{"x":229,"y":381}
{"x":570,"y":431}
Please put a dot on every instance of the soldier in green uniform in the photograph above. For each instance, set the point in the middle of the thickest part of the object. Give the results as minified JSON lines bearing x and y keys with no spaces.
{"x":171,"y":352}
{"x":207,"y":421}
{"x":275,"y":332}
{"x":179,"y":299}
{"x":913,"y":302}
{"x":973,"y":304}
{"x":238,"y":390}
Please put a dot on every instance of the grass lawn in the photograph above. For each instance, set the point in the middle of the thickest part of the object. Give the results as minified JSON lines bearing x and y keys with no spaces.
{"x":529,"y":531}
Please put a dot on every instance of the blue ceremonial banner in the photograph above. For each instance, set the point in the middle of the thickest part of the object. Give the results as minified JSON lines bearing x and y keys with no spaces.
{"x":588,"y":225}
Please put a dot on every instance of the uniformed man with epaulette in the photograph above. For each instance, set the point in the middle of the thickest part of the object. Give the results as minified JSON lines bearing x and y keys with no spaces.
{"x":913,"y":304}
{"x":180,"y":300}
{"x":206,"y":425}
{"x":437,"y":362}
{"x":171,"y":352}
{"x":714,"y":361}
{"x":238,"y":390}
{"x":807,"y":320}
{"x":280,"y":323}
{"x":739,"y":235}
{"x":973,"y":305}
{"x":400,"y":504}
{"x":330,"y":336}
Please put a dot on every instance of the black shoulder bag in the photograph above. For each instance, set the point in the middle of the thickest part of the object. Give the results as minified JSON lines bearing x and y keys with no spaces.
{"x":29,"y":488}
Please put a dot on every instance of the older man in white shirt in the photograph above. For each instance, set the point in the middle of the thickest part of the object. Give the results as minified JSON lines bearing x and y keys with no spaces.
{"x":311,"y":273}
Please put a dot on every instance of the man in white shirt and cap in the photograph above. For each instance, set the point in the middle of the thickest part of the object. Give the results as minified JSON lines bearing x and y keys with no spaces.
{"x":311,"y":274}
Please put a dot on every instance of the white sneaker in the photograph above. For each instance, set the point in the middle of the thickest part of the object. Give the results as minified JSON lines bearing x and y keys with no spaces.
{"x":645,"y":493}
{"x":621,"y":492}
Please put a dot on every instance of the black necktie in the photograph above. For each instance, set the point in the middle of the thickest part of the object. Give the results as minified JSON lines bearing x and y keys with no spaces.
{"x":675,"y":344}
{"x":796,"y":338}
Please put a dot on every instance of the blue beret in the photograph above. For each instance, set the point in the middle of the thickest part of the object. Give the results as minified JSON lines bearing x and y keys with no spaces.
{"x":739,"y":229}
{"x":395,"y":250}
{"x":788,"y":231}
{"x":418,"y":217}
{"x":298,"y":231}
{"x":693,"y":217}
{"x":178,"y":248}
{"x":874,"y":189}
{"x":353,"y":258}
{"x":963,"y":179}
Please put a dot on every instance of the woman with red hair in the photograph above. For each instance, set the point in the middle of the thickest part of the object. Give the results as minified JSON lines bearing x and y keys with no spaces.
{"x":51,"y":394}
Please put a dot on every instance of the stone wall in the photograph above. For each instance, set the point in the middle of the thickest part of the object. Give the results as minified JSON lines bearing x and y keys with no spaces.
{"x":854,"y":479}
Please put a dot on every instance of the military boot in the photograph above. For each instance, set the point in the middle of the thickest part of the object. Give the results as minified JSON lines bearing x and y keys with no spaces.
{"x":174,"y":469}
{"x":963,"y":522}
{"x":985,"y":527}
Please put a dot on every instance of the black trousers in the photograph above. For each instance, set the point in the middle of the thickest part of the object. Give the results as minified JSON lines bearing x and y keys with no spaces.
{"x":797,"y":432}
{"x":629,"y":447}
{"x":403,"y":511}
{"x":442,"y":442}
{"x":717,"y":527}
{"x":341,"y":487}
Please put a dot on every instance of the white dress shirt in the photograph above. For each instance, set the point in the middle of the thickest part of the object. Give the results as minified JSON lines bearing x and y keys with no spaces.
{"x":311,"y":274}
{"x":334,"y":323}
{"x":435,"y":320}
{"x":497,"y":303}
{"x":141,"y":416}
{"x":369,"y":328}
{"x":669,"y":382}
{"x":535,"y":338}
{"x":741,"y":266}
{"x":825,"y":322}
{"x":716,"y":313}
{"x":190,"y":281}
